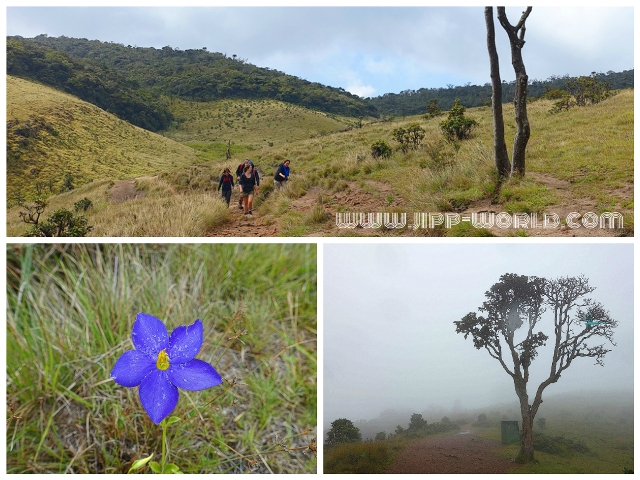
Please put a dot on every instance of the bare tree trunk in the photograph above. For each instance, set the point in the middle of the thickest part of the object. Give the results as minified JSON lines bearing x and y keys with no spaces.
{"x":526,"y":445}
{"x":499,"y":146}
{"x":526,"y":433}
{"x":516,"y":39}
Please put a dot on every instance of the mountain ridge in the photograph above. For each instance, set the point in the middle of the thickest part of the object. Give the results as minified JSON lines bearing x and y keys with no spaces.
{"x":144,"y":77}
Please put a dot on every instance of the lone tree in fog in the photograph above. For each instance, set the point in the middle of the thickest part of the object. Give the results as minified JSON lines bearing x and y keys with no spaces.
{"x":343,"y":431}
{"x":517,"y":301}
{"x":516,"y":40}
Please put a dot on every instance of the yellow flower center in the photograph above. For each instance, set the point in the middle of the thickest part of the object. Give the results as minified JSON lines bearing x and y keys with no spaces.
{"x":163,"y":360}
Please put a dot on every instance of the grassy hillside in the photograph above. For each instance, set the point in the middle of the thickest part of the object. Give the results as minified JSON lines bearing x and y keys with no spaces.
{"x":139,"y":74}
{"x":248,"y":124}
{"x":577,"y":161}
{"x":581,"y":160}
{"x":50,"y":133}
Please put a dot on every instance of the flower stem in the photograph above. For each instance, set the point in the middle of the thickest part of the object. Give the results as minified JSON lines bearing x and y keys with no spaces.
{"x":163,"y":424}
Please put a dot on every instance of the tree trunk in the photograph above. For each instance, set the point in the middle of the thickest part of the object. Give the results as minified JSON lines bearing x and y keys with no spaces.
{"x":516,"y":39}
{"x":499,"y":146}
{"x":526,"y":445}
{"x":522,"y":121}
{"x":526,"y":433}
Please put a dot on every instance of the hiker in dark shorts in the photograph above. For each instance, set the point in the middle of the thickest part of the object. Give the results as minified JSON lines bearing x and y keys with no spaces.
{"x":240,"y":170}
{"x":248,"y":183}
{"x":226,"y":183}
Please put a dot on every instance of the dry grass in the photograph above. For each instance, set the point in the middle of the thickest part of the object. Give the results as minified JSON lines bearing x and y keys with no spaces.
{"x":80,"y":139}
{"x":161,"y":212}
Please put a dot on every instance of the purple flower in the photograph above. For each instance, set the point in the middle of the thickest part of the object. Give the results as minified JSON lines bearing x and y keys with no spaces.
{"x":161,"y":364}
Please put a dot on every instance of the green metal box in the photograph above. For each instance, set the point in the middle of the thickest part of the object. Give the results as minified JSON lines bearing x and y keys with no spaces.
{"x":510,"y":432}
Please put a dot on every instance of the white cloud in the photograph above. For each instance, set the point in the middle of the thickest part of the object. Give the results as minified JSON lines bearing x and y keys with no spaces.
{"x":361,"y":90}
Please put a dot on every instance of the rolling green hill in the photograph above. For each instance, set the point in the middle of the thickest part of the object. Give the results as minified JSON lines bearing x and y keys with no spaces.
{"x":89,"y":81}
{"x":150,"y":73}
{"x":50,"y":133}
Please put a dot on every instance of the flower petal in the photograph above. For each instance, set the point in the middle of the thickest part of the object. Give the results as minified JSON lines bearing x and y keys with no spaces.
{"x":131,"y":368}
{"x":185,"y":343}
{"x":149,"y":335}
{"x":195,"y":375}
{"x":158,"y":396}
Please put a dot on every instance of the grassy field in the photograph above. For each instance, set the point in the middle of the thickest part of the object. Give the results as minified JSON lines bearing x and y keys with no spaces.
{"x":581,"y":435}
{"x":587,"y":151}
{"x":590,"y":432}
{"x":580,"y":160}
{"x":361,"y":457}
{"x":70,"y":309}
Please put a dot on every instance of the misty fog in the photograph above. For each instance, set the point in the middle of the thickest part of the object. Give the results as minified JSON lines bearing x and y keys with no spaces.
{"x":390,"y":346}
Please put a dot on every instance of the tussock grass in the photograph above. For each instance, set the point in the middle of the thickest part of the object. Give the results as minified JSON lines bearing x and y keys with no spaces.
{"x":362,"y":457}
{"x":181,"y":215}
{"x":161,"y":212}
{"x":70,"y":309}
{"x":455,"y":186}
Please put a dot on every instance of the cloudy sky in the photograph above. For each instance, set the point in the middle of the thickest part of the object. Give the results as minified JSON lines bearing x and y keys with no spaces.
{"x":368,"y":51}
{"x":389,"y":337}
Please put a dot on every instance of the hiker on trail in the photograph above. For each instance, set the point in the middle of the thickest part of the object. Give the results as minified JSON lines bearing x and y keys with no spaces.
{"x":226,"y":183}
{"x":248,"y":184}
{"x":240,"y":171}
{"x":282,"y":175}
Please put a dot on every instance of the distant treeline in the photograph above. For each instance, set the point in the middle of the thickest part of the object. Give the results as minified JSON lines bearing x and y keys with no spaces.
{"x":414,"y":102}
{"x":137,"y":83}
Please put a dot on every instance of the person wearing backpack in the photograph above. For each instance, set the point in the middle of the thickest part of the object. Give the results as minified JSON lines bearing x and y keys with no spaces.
{"x":256,"y":173}
{"x":240,"y":169}
{"x":239,"y":172}
{"x":282,"y":175}
{"x":226,"y":183}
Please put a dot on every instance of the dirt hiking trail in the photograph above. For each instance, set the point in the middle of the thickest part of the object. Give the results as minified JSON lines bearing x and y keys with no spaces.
{"x":123,"y":190}
{"x":370,"y":196}
{"x":462,"y":452}
{"x":242,"y":225}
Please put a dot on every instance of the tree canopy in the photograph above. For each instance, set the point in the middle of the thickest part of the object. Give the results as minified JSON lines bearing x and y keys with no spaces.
{"x":343,"y":431}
